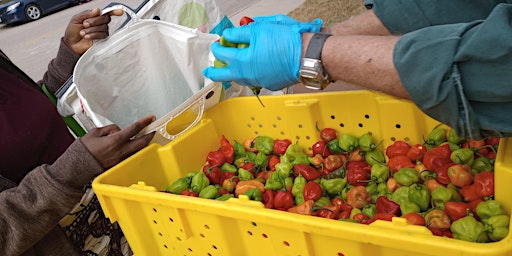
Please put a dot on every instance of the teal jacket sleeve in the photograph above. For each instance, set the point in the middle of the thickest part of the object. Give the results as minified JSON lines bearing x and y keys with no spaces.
{"x":458,"y":72}
{"x":403,"y":16}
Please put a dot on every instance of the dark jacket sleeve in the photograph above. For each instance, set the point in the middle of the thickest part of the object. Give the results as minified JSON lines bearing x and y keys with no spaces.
{"x":32,"y":209}
{"x":403,"y":16}
{"x":60,"y":68}
{"x":451,"y":71}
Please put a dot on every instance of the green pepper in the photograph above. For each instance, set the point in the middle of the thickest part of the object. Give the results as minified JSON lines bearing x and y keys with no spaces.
{"x":199,"y":182}
{"x":463,"y":156}
{"x":275,"y":182}
{"x":179,"y":185}
{"x":369,"y":210}
{"x":301,"y":159}
{"x":452,"y":137}
{"x":322,"y":201}
{"x":469,"y":229}
{"x":482,"y":163}
{"x":441,"y":195}
{"x":298,"y":185}
{"x":400,"y":195}
{"x":209,"y":192}
{"x":260,"y":162}
{"x":254,"y":194}
{"x":489,"y":208}
{"x":379,"y":173}
{"x":497,"y":227}
{"x":345,"y":191}
{"x":452,"y":146}
{"x":264,"y":144}
{"x":456,"y":196}
{"x":244,"y":174}
{"x":382,"y":189}
{"x":371,"y":187}
{"x":284,"y":169}
{"x":251,"y":156}
{"x":374,"y":157}
{"x":227,"y":167}
{"x":436,"y":136}
{"x":226,"y":43}
{"x":354,"y":211}
{"x":334,"y":146}
{"x":299,"y":199}
{"x":239,"y":162}
{"x":225,"y":197}
{"x":366,"y":143}
{"x":239,"y":150}
{"x":333,"y":186}
{"x":406,"y":176}
{"x":293,"y":151}
{"x":420,"y":195}
{"x":408,"y":206}
{"x":348,"y":142}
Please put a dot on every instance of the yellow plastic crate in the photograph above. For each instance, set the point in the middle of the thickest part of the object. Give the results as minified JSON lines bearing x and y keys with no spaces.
{"x":157,"y":223}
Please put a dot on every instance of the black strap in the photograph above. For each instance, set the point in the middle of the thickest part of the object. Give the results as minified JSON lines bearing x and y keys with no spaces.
{"x":314,"y":50}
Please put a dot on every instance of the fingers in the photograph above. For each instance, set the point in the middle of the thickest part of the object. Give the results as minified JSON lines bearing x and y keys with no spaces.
{"x":240,"y":34}
{"x":134,"y":128}
{"x":218,"y":74}
{"x":279,"y":19}
{"x":224,"y":53}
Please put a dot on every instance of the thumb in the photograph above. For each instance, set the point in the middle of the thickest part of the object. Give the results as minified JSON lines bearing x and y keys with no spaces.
{"x":240,"y":34}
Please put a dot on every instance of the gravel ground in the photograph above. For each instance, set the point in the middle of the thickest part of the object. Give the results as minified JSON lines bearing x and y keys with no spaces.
{"x":330,"y":11}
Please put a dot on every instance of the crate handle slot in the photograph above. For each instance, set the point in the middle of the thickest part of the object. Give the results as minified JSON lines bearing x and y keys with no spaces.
{"x":400,"y":224}
{"x":245,"y":201}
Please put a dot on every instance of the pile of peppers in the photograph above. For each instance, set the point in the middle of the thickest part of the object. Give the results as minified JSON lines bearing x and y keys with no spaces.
{"x":445,"y":183}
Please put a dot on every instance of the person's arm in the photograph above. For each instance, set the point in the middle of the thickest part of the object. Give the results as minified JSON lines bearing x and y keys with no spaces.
{"x":82,"y":30}
{"x":47,"y":193}
{"x":366,"y":23}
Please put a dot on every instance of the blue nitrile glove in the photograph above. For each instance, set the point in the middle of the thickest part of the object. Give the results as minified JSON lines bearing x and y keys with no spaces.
{"x":286,"y":20}
{"x":272,"y":59}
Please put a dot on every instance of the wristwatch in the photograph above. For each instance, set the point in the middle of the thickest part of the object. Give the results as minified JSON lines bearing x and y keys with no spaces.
{"x":312,"y":73}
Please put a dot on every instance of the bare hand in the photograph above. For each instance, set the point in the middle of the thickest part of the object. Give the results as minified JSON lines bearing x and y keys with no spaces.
{"x":110,"y":145}
{"x":87,"y":26}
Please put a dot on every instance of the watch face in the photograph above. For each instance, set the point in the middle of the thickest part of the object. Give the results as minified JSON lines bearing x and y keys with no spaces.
{"x":311,"y":74}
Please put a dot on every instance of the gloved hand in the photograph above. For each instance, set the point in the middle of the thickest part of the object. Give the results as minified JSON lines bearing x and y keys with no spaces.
{"x":286,"y":20}
{"x":272,"y":59}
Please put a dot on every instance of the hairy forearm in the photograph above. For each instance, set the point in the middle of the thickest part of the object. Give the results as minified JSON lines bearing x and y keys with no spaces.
{"x":366,"y":61}
{"x":365,"y":23}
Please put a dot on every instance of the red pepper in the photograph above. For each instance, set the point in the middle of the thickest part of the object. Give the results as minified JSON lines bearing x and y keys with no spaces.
{"x":478,"y":145}
{"x":484,"y":184}
{"x":442,"y":174}
{"x":456,"y":210}
{"x":358,"y":177}
{"x":283,"y":200}
{"x":416,"y":152}
{"x":437,"y":156}
{"x":227,"y":149}
{"x":384,"y":205}
{"x":245,"y":20}
{"x":469,"y":193}
{"x":472,"y":206}
{"x":272,"y":161}
{"x":359,"y":164}
{"x":361,"y":217}
{"x":268,"y":198}
{"x":312,"y":191}
{"x":213,"y":174}
{"x":441,"y":232}
{"x":249,"y":166}
{"x":320,"y":147}
{"x":328,"y":134}
{"x":307,"y":171}
{"x":398,"y":148}
{"x":379,"y":216}
{"x":216,"y":158}
{"x":397,"y":162}
{"x":280,"y":146}
{"x":329,"y":212}
{"x":344,"y":215}
{"x":187,"y":192}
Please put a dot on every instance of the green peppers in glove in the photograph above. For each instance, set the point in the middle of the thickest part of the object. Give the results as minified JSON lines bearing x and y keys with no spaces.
{"x":406,"y":176}
{"x":497,"y":227}
{"x":348,"y":142}
{"x":419,"y":195}
{"x":469,"y":229}
{"x":489,"y":208}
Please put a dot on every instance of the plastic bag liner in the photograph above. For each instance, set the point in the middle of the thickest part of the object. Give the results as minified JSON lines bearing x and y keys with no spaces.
{"x":147,"y":67}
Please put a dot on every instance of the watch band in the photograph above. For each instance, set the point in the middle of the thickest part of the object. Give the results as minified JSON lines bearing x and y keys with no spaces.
{"x":314,"y":50}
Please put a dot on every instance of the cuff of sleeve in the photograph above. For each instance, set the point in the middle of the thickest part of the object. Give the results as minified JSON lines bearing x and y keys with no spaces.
{"x":60,"y":68}
{"x":399,"y":16}
{"x":76,"y":167}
